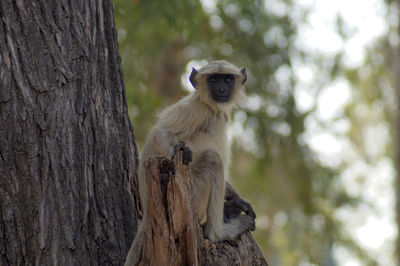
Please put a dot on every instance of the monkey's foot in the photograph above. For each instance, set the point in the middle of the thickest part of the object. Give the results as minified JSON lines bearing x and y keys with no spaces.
{"x":247,"y":223}
{"x":233,"y":207}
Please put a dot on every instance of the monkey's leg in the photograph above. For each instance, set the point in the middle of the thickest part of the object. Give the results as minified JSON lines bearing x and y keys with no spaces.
{"x":210,"y":189}
{"x":136,"y":249}
{"x":208,"y":175}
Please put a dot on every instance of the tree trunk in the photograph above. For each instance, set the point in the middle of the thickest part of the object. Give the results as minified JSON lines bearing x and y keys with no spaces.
{"x":173,"y":233}
{"x":68,"y":158}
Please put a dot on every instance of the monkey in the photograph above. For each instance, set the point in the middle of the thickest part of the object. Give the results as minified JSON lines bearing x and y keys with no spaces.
{"x":197,"y":126}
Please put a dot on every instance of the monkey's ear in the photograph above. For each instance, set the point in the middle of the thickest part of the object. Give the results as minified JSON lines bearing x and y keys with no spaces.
{"x":244,"y":74}
{"x":192,"y":77}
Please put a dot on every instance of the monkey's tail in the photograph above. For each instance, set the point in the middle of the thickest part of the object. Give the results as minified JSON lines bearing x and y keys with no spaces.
{"x":136,"y":250}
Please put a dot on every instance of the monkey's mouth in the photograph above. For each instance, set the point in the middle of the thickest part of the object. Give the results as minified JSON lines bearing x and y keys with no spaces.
{"x":221,"y":99}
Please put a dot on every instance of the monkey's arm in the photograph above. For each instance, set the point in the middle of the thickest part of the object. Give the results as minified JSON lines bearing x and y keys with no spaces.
{"x":235,"y":205}
{"x":164,"y":142}
{"x":183,"y":119}
{"x":170,"y":147}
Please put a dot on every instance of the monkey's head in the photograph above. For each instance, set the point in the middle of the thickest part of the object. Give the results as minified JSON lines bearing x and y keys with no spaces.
{"x":219,"y":84}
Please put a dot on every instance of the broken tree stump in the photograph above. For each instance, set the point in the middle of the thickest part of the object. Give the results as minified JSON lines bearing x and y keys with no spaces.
{"x":173,"y":232}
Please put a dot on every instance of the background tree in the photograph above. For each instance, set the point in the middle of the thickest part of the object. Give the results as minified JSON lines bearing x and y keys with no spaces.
{"x":376,"y":86}
{"x":68,"y":157}
{"x":297,"y":195}
{"x":393,"y":59}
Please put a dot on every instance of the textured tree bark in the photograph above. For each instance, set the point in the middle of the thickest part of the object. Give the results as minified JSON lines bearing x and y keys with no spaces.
{"x":68,"y":157}
{"x":173,"y":233}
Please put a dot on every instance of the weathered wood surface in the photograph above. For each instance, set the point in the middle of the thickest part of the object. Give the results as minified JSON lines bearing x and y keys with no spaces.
{"x":173,"y":232}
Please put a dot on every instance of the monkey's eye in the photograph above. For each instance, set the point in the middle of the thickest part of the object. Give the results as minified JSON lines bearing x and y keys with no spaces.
{"x":228,"y":80}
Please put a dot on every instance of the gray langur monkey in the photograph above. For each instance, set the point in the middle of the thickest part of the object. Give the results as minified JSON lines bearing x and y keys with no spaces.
{"x":197,"y":125}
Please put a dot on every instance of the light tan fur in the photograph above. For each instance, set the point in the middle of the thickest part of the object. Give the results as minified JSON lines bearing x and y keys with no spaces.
{"x":201,"y":123}
{"x":220,"y":67}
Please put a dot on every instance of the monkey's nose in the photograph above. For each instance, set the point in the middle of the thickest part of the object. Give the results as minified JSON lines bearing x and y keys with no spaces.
{"x":222,"y":91}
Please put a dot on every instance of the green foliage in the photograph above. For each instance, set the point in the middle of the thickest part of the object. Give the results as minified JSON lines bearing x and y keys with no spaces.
{"x":294,"y":195}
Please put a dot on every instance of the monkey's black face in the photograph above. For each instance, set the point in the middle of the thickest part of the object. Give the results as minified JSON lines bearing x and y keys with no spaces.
{"x":221,"y":87}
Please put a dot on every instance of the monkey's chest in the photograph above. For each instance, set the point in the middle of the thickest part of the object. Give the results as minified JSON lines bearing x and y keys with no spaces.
{"x":202,"y":141}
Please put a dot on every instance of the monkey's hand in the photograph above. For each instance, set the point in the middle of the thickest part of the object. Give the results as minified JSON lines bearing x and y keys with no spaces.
{"x":186,"y":155}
